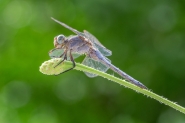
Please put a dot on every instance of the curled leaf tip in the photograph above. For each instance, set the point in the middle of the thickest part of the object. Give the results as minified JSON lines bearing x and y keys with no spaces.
{"x":48,"y":67}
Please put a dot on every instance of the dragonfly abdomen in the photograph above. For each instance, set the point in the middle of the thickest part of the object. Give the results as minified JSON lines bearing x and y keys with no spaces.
{"x":121,"y":73}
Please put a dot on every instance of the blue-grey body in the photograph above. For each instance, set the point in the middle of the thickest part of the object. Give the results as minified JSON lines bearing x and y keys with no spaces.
{"x":86,"y":43}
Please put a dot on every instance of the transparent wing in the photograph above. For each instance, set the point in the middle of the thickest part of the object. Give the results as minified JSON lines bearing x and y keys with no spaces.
{"x":89,"y":36}
{"x":94,"y":64}
{"x":68,"y":27}
{"x":97,"y":44}
{"x":56,"y":53}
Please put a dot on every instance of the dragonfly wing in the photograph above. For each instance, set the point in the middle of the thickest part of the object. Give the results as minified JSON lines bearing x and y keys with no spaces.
{"x":89,"y":36}
{"x":97,"y":44}
{"x":103,"y":50}
{"x":94,"y":64}
{"x":56,"y":53}
{"x":75,"y":55}
{"x":68,"y":27}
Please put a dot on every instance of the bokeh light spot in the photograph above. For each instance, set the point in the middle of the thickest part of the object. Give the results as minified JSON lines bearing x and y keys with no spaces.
{"x":106,"y":87}
{"x":162,"y":18}
{"x":17,"y":94}
{"x":44,"y":114}
{"x":17,"y":14}
{"x":71,"y":89}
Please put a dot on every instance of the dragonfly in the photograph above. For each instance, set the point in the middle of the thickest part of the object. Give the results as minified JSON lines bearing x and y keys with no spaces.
{"x":73,"y":46}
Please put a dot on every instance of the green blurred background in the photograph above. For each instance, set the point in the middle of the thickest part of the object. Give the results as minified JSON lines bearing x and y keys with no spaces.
{"x":147,"y":41}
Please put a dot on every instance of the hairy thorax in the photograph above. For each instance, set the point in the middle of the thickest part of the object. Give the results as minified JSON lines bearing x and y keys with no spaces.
{"x":76,"y":44}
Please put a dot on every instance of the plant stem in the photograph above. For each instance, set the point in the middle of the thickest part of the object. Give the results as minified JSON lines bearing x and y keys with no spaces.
{"x":47,"y":68}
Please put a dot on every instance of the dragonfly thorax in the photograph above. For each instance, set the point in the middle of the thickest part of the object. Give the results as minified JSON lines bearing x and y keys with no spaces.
{"x":59,"y":40}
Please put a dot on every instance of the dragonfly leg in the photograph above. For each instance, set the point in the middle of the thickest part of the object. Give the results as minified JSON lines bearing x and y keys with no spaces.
{"x":53,"y":50}
{"x":72,"y":60}
{"x":62,"y":55}
{"x":65,"y":58}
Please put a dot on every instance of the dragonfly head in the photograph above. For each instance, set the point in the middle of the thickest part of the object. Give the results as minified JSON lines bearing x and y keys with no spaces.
{"x":59,"y":41}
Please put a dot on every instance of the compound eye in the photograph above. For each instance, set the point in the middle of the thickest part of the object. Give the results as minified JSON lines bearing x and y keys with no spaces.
{"x":60,"y":39}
